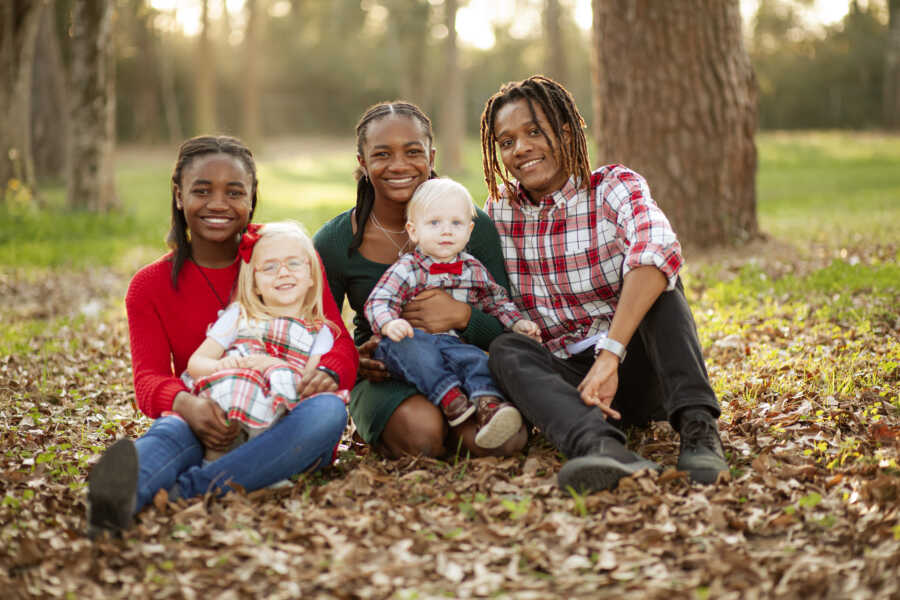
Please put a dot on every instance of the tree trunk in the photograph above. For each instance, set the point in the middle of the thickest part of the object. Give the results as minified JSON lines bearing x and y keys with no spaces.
{"x":892,"y":68}
{"x":676,"y":101}
{"x":555,"y":57}
{"x":204,"y":78}
{"x":91,"y":183}
{"x":169,"y":101}
{"x":49,"y":122}
{"x":251,"y":89}
{"x":19,"y":24}
{"x":452,"y":131}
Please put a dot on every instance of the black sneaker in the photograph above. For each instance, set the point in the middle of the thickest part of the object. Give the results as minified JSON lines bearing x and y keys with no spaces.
{"x":112,"y":489}
{"x":701,"y":453}
{"x":602,"y":468}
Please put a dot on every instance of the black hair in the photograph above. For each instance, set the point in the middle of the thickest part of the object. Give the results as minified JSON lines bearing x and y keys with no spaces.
{"x":365,"y":191}
{"x":191,"y":149}
{"x":561,"y":113}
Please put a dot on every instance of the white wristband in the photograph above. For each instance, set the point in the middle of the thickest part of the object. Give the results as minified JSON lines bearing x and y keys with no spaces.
{"x":611,"y":345}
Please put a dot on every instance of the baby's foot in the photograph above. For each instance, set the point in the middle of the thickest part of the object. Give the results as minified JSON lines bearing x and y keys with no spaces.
{"x":456,"y":406}
{"x":497,"y":421}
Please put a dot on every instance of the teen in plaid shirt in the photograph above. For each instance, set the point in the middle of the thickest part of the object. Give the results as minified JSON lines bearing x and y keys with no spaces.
{"x":449,"y":372}
{"x":593,"y":260}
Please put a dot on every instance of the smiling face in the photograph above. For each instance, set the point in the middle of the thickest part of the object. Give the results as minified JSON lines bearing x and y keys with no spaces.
{"x":524,"y":149}
{"x":441,"y":229}
{"x":396,"y":157}
{"x":215,"y":194}
{"x":282,"y":278}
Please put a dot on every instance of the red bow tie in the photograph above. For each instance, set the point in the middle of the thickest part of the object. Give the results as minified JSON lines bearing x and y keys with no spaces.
{"x":452,"y":267}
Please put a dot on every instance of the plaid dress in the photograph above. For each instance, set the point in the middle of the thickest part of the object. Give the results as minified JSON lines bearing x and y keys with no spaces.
{"x":257,"y":399}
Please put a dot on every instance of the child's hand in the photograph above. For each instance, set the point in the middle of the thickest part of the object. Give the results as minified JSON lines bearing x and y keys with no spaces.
{"x":529,"y":328}
{"x":260,"y":362}
{"x":229,"y":362}
{"x":397,"y":329}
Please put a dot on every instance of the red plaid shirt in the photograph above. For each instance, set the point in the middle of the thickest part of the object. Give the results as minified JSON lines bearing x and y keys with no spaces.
{"x":409,"y":276}
{"x":567,"y":254}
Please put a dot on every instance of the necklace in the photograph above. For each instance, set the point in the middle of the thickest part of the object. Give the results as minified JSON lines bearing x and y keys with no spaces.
{"x":400,"y":249}
{"x":211,"y":287}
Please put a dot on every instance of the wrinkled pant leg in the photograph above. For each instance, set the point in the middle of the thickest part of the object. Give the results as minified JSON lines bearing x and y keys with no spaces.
{"x":544,"y":388}
{"x":470,"y":364}
{"x":418,"y":361}
{"x":167,"y":449}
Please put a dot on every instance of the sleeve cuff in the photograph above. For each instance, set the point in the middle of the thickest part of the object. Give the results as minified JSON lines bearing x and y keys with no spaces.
{"x":667,"y":259}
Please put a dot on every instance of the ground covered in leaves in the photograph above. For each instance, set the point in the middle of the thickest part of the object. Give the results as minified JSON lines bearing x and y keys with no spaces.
{"x":803,"y":356}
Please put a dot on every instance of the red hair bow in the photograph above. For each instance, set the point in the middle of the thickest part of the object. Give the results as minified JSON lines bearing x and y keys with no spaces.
{"x":248,"y":240}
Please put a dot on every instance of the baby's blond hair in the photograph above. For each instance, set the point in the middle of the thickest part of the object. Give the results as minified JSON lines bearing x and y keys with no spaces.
{"x":252,"y":307}
{"x":435,"y":189}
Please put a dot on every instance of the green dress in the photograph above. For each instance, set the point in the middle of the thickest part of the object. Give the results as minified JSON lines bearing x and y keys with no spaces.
{"x":353,"y":276}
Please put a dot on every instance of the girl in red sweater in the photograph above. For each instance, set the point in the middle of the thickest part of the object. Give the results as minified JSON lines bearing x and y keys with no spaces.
{"x":170,"y":304}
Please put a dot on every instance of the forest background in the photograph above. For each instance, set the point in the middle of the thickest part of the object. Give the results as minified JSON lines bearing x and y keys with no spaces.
{"x":798,"y":319}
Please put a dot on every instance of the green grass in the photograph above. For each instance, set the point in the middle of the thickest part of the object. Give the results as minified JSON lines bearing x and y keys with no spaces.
{"x":829,"y":187}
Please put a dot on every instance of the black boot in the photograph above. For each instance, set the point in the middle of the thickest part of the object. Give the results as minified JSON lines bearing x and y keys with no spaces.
{"x":112,"y":490}
{"x":602,"y":468}
{"x":701,"y":453}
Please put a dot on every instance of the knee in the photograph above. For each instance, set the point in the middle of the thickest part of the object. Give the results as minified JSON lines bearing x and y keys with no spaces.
{"x":417,"y":429}
{"x":503,"y":344}
{"x":331,"y":413}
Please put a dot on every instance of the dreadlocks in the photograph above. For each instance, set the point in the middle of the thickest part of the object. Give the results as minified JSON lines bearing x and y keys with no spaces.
{"x":562,"y":114}
{"x":365,"y":191}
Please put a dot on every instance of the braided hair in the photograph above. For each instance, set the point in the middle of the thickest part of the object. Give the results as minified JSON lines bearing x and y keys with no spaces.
{"x":365,"y":191}
{"x":191,"y":149}
{"x":561,"y":113}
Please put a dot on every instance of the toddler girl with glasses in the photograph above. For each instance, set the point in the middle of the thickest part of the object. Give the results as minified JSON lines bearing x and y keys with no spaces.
{"x":258,"y":353}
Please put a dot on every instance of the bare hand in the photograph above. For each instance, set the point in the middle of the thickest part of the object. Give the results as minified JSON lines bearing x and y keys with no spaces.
{"x":229,"y":362}
{"x":529,"y":328}
{"x":397,"y":329}
{"x":207,"y":420}
{"x":598,"y":388}
{"x":435,"y":311}
{"x":260,"y":362}
{"x":369,"y":368}
{"x":316,"y":383}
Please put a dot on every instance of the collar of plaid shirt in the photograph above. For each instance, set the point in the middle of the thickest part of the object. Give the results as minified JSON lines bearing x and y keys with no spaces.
{"x":559,"y":197}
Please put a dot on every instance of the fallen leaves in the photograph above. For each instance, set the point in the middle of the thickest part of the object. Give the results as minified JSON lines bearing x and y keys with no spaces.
{"x":810,"y":507}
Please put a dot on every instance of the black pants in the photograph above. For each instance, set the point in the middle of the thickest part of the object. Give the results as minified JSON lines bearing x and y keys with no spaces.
{"x":663,"y":372}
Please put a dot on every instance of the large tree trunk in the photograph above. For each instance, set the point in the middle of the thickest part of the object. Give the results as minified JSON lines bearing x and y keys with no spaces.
{"x":452,"y":130}
{"x":49,"y":122}
{"x":892,"y":69}
{"x":676,"y":101}
{"x":19,"y":24}
{"x":250,"y":121}
{"x":204,"y":78}
{"x":555,"y":56}
{"x":91,"y":183}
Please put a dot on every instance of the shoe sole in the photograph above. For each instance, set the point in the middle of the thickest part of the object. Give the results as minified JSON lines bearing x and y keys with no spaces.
{"x":112,"y":487}
{"x":462,"y":418}
{"x":587,"y":474}
{"x":504,"y":424}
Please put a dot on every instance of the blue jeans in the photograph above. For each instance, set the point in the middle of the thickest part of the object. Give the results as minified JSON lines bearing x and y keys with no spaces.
{"x":437,"y":362}
{"x":170,"y":456}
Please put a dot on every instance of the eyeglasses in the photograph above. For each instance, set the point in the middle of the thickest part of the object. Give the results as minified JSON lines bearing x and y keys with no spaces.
{"x":272,"y":267}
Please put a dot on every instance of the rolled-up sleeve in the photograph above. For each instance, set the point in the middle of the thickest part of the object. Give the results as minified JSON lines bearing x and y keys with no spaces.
{"x":644,"y":231}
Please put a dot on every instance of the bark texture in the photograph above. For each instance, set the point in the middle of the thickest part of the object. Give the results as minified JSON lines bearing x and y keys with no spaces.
{"x":555,"y":65}
{"x":204,"y":78}
{"x":676,"y":101}
{"x":91,"y":183}
{"x":251,"y":118}
{"x":19,"y":24}
{"x":452,"y":124}
{"x":49,"y":125}
{"x":892,"y":69}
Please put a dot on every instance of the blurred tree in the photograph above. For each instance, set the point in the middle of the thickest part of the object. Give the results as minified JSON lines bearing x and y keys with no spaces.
{"x":251,"y":129}
{"x":452,"y":126}
{"x":20,"y":21}
{"x":555,"y":65}
{"x":90,"y":176}
{"x":676,"y":101}
{"x":892,"y":68}
{"x":49,"y":125}
{"x":205,"y":76}
{"x":408,"y":29}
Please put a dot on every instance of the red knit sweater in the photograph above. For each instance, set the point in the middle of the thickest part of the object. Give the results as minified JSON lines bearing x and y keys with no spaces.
{"x":166,"y":326}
